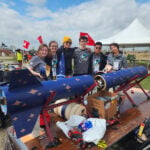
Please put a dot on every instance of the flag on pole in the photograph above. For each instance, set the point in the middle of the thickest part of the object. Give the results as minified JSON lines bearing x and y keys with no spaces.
{"x":90,"y":40}
{"x":26,"y":44}
{"x":40,"y":39}
{"x":4,"y":45}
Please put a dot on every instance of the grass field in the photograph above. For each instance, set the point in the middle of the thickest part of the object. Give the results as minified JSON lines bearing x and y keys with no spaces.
{"x":139,"y":55}
{"x":146,"y":83}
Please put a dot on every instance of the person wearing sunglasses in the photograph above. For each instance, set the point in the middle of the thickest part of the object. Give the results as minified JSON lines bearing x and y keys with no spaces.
{"x":68,"y":55}
{"x":97,"y":59}
{"x":81,"y":57}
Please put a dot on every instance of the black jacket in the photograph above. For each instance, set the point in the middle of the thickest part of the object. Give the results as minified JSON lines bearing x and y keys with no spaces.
{"x":103,"y":61}
{"x":48,"y":61}
{"x":68,"y":55}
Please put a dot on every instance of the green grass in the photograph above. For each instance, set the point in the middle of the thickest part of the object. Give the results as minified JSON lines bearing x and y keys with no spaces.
{"x":9,"y":58}
{"x":146,"y":83}
{"x":139,"y":62}
{"x":142,"y":62}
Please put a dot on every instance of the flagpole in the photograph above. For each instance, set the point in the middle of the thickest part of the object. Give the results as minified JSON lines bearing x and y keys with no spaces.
{"x":25,"y":45}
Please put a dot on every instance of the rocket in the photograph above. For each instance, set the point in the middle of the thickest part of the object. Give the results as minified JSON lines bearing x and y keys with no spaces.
{"x":116,"y":78}
{"x":26,"y":96}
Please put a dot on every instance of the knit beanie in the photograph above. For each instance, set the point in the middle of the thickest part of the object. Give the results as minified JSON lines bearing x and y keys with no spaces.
{"x":66,"y":39}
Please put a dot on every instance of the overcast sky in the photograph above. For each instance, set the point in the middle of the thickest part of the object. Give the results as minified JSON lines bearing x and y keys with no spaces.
{"x":53,"y":19}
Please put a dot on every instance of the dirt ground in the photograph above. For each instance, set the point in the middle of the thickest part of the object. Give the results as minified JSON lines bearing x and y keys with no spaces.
{"x":2,"y":138}
{"x":3,"y":133}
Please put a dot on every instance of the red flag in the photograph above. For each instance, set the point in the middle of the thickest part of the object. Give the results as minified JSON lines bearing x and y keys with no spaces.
{"x":39,"y":38}
{"x":26,"y":44}
{"x":90,"y":40}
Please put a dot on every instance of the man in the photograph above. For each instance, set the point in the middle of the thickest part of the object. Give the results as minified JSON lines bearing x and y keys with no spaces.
{"x":81,"y":57}
{"x":19,"y":57}
{"x":97,"y":59}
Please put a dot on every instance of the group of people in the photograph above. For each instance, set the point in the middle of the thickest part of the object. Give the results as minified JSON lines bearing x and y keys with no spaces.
{"x":77,"y":60}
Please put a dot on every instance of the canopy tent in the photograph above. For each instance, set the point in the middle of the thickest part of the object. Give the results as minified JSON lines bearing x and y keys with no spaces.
{"x":134,"y":35}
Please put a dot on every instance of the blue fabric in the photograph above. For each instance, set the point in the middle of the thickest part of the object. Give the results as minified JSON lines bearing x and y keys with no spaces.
{"x":25,"y":100}
{"x":122,"y":76}
{"x":61,"y":67}
{"x":63,"y":111}
{"x":4,"y":109}
{"x":22,"y":79}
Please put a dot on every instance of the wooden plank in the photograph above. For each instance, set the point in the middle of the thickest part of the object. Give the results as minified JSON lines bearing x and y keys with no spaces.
{"x":128,"y":121}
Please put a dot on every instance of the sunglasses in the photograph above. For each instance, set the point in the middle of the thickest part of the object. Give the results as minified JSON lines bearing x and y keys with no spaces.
{"x":68,"y":42}
{"x":98,"y":47}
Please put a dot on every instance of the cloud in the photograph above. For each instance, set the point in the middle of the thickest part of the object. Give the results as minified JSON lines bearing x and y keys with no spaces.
{"x":100,"y":18}
{"x":35,"y":11}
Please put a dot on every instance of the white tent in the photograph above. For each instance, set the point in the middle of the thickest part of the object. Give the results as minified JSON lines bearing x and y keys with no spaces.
{"x":134,"y":35}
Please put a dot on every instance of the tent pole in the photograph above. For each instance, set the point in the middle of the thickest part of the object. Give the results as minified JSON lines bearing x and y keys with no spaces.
{"x":148,"y":63}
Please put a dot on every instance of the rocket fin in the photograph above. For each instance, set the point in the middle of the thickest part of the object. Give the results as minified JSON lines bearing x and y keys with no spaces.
{"x":22,"y":78}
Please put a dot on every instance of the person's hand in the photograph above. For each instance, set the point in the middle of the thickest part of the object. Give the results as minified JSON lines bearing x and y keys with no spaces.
{"x":107,"y":68}
{"x":40,"y":76}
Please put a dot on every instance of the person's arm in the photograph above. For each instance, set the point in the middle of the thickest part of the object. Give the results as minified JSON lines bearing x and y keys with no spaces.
{"x":107,"y":68}
{"x":103,"y":62}
{"x":33,"y":63}
{"x":109,"y":63}
{"x":124,"y":62}
{"x":90,"y":65}
{"x":74,"y":52}
{"x":110,"y":59}
{"x":34,"y":72}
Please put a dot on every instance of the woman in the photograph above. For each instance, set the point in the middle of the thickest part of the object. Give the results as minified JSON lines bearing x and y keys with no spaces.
{"x":37,"y":65}
{"x":68,"y":55}
{"x":115,"y":60}
{"x":52,"y":59}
